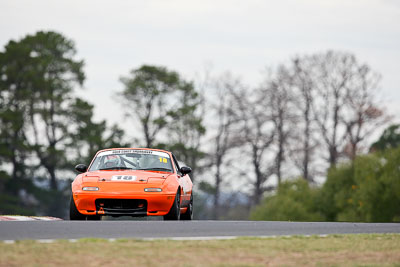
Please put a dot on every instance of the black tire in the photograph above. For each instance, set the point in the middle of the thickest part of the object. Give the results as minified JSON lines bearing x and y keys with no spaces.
{"x":174,"y":213}
{"x":74,"y":214}
{"x":188,"y":215}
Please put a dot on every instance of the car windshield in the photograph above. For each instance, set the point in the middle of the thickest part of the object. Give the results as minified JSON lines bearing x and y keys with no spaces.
{"x":126,"y":159}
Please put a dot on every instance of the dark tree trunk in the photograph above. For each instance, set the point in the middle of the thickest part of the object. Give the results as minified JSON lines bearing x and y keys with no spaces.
{"x":217,"y":194}
{"x":279,"y":158}
{"x":306,"y":148}
{"x":258,"y":191}
{"x":53,"y":181}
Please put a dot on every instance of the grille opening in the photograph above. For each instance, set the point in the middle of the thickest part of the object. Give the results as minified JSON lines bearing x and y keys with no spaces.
{"x":121,"y":206}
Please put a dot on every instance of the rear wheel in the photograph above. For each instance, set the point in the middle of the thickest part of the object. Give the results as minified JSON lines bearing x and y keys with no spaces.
{"x":175,"y":211}
{"x":74,"y":214}
{"x":188,"y":215}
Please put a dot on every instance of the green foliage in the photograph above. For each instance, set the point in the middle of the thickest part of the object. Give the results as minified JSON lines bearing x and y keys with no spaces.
{"x":149,"y":96}
{"x":10,"y":203}
{"x":390,"y":138}
{"x":378,"y":186}
{"x":14,"y":103}
{"x":207,"y":187}
{"x":164,"y":103}
{"x":46,"y":129}
{"x":366,"y":190}
{"x":38,"y":74}
{"x":42,"y":123}
{"x":89,"y":136}
{"x":20,"y":196}
{"x":335,"y":194}
{"x":294,"y":201}
{"x":185,"y":128}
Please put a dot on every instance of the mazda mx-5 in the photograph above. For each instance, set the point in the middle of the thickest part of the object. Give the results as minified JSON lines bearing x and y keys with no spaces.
{"x":132,"y":182}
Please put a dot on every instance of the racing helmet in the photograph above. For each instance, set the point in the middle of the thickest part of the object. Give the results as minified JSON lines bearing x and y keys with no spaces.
{"x":112,"y":161}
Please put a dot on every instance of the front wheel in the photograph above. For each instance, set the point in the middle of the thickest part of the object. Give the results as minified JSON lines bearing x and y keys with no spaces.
{"x":74,"y":214}
{"x":174,"y":213}
{"x":188,"y":215}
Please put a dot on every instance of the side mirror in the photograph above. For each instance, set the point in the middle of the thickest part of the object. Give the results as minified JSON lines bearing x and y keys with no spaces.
{"x":81,"y":168}
{"x":186,"y":170}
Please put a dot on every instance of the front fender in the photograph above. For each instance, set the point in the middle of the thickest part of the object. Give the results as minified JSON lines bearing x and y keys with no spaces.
{"x":77,"y":183}
{"x":171,"y":185}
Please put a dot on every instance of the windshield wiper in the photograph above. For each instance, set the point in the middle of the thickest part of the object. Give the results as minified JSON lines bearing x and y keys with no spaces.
{"x":155,"y":169}
{"x":116,"y":168}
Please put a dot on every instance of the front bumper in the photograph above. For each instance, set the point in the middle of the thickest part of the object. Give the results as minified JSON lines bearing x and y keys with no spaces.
{"x":155,"y":203}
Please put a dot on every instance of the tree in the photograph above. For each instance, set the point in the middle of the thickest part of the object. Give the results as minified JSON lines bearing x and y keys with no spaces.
{"x":363,"y":113}
{"x":377,"y":192}
{"x":166,"y":106}
{"x":343,"y":105}
{"x":332,"y":72}
{"x":294,"y":201}
{"x":367,"y":189}
{"x":302,"y":82}
{"x":88,"y":137}
{"x":335,"y":194}
{"x":255,"y":130}
{"x":15,"y":63}
{"x":185,"y":128}
{"x":278,"y":99}
{"x":221,"y":140}
{"x":42,"y":71}
{"x":56,"y":72}
{"x":149,"y":96}
{"x":390,"y":138}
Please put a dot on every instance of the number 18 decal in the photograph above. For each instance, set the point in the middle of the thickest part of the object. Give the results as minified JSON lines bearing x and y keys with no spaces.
{"x":163,"y":160}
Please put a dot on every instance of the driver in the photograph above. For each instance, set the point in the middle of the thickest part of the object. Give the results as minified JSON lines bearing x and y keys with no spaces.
{"x":112,"y":161}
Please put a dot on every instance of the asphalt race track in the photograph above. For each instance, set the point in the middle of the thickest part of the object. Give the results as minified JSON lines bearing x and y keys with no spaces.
{"x":19,"y":230}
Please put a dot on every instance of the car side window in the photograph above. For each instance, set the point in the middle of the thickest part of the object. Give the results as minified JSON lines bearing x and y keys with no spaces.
{"x":176,"y":165}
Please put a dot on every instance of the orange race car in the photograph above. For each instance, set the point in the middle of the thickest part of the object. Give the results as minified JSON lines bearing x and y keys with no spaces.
{"x":132,"y":182}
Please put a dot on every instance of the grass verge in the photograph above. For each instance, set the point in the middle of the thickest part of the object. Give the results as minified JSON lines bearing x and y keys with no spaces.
{"x":333,"y":250}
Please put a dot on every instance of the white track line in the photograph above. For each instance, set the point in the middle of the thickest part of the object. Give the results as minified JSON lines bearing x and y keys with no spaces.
{"x":28,"y":218}
{"x":47,"y":218}
{"x":17,"y":218}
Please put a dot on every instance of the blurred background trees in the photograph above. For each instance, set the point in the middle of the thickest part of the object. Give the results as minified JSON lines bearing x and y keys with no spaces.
{"x":295,"y":147}
{"x":42,"y":120}
{"x":168,"y":109}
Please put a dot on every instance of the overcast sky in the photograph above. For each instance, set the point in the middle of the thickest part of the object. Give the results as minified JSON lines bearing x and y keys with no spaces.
{"x":240,"y":36}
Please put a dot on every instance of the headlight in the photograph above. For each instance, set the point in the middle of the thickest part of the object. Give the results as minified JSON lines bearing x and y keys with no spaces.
{"x":90,"y":188}
{"x":152,"y":190}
